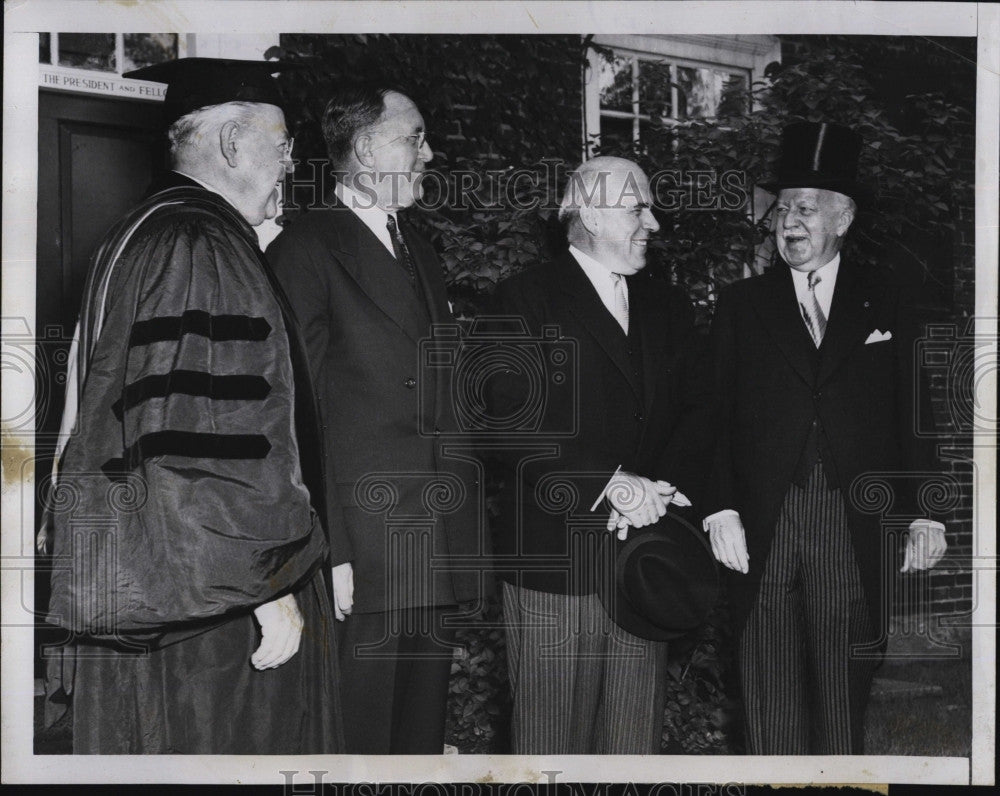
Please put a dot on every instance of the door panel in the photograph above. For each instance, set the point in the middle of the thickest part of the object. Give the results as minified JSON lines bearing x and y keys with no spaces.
{"x":96,"y":158}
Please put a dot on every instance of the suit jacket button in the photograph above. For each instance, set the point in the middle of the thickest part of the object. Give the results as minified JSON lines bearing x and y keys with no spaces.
{"x":410,"y":383}
{"x":638,"y":416}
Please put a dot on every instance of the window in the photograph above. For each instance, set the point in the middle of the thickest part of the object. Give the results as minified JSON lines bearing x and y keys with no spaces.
{"x":637,"y":81}
{"x":113,"y":53}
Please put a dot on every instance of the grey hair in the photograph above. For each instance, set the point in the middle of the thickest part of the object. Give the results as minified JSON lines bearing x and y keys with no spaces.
{"x":587,"y":186}
{"x":200,"y":126}
{"x":845,"y":202}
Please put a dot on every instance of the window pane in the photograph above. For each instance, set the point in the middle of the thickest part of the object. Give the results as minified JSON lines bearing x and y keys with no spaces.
{"x":654,"y":90}
{"x":656,"y":137}
{"x":734,"y":96}
{"x":616,"y":83}
{"x":616,"y":134}
{"x":87,"y":50}
{"x":45,"y":48}
{"x":701,"y":91}
{"x":145,"y":49}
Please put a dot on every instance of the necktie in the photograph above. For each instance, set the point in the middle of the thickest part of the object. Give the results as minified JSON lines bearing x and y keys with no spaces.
{"x":621,"y":301}
{"x":812,"y":313}
{"x":400,"y":249}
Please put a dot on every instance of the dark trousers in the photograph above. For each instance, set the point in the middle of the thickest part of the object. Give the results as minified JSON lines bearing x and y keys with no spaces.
{"x":580,"y":684}
{"x":394,"y":681}
{"x":804,"y":690}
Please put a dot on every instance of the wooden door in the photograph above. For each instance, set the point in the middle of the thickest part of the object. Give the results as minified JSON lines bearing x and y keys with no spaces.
{"x":97,"y":157}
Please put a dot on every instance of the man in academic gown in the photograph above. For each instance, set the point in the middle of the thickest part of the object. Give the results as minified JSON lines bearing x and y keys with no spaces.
{"x":186,"y":514}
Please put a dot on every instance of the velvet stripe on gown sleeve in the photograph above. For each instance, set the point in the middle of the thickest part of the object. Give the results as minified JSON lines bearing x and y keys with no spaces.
{"x":221,"y":520}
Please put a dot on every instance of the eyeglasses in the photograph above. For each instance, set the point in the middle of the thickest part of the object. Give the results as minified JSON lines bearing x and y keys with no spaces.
{"x":285,"y":148}
{"x":417,"y":139}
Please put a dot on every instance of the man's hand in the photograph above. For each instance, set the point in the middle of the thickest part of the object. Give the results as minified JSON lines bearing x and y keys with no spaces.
{"x":343,"y":590}
{"x":925,"y":545}
{"x":280,"y":631}
{"x":729,"y":541}
{"x":43,"y":541}
{"x":638,"y":500}
{"x":616,"y":522}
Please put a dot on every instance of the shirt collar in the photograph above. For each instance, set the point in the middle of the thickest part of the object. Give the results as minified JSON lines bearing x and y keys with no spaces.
{"x":362,"y":204}
{"x":827,"y":271}
{"x":592,"y":268}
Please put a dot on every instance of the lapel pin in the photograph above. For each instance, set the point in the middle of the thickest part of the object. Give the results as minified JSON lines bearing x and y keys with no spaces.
{"x":867,"y":304}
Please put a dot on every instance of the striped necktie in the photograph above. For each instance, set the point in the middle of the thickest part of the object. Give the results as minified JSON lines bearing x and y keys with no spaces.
{"x":812,"y":313}
{"x":621,"y":301}
{"x":400,"y":249}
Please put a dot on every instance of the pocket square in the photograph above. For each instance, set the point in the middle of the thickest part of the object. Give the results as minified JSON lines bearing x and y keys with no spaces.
{"x":878,"y":337}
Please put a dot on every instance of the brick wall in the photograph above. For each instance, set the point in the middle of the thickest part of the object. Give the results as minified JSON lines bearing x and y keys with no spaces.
{"x":951,"y":588}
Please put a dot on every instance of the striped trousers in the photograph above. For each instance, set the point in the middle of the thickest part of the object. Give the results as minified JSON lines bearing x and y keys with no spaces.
{"x":803,"y":690}
{"x":580,"y":684}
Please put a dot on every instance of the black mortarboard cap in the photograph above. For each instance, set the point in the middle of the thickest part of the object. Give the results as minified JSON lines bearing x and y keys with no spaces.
{"x":194,"y":83}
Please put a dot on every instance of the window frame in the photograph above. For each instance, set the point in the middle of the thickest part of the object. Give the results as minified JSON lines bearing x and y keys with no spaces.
{"x":96,"y":81}
{"x":748,"y":55}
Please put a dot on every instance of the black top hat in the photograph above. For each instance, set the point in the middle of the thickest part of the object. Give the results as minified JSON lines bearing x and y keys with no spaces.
{"x":820,"y":155}
{"x":194,"y":83}
{"x":664,"y":580}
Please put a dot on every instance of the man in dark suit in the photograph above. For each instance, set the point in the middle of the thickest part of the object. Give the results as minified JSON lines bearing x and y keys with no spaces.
{"x":367,"y":289}
{"x":582,"y":685}
{"x":815,"y":376}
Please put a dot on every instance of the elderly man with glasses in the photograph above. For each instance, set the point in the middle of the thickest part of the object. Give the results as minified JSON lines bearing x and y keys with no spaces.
{"x":367,"y":289}
{"x":186,"y":515}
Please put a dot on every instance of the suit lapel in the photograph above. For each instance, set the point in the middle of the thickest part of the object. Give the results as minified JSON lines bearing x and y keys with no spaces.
{"x":851,"y":313}
{"x":654,"y":328}
{"x":586,"y":305}
{"x":430,"y":278}
{"x":773,"y":298}
{"x":378,"y":274}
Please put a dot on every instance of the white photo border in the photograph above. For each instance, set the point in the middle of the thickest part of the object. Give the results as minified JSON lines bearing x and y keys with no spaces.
{"x":23,"y":20}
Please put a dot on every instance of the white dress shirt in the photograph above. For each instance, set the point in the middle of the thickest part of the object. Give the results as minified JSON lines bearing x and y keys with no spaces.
{"x":601,"y":277}
{"x":824,"y":295}
{"x":824,"y":288}
{"x":372,"y":216}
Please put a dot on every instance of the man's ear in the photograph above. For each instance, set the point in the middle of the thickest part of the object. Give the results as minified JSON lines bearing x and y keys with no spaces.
{"x":229,"y":135}
{"x":363,"y":150}
{"x":845,"y":221}
{"x":590,"y":219}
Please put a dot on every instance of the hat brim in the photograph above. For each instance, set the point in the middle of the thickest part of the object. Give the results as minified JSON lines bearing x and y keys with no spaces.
{"x":692,"y":560}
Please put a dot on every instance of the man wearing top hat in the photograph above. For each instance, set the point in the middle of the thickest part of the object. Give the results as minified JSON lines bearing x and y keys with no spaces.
{"x":582,"y":683}
{"x":186,"y":514}
{"x":814,"y":365}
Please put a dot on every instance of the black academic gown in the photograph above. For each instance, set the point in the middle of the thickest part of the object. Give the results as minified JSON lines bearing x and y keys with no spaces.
{"x":185,"y":499}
